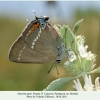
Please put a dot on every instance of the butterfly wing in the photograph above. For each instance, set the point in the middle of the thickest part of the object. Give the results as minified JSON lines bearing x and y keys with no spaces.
{"x":39,"y":46}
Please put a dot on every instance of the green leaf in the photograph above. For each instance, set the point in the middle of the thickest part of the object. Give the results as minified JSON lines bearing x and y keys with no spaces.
{"x":67,"y":36}
{"x":77,"y":25}
{"x":97,"y":70}
{"x":58,"y":84}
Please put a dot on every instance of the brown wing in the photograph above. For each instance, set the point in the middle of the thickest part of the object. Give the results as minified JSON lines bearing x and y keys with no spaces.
{"x":45,"y":49}
{"x":20,"y":52}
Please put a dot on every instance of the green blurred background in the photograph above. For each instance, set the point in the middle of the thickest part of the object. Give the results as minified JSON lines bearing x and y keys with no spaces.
{"x":13,"y":15}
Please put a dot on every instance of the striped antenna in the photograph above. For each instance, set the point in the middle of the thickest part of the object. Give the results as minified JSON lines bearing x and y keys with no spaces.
{"x":34,"y":13}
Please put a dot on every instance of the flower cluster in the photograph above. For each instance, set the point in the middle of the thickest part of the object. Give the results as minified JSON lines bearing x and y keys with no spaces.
{"x":79,"y":62}
{"x":88,"y":86}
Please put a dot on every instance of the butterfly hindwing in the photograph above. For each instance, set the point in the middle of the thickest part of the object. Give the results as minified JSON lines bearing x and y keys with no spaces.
{"x":36,"y":44}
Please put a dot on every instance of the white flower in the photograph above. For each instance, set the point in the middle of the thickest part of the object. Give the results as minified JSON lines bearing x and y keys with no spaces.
{"x":97,"y":84}
{"x":82,"y":50}
{"x":78,"y":85}
{"x":88,"y":86}
{"x":88,"y":83}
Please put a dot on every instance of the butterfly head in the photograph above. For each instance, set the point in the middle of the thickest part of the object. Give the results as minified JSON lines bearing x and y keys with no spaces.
{"x":42,"y":20}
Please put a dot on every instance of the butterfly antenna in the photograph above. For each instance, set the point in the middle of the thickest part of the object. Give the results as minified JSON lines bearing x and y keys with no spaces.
{"x":34,"y":13}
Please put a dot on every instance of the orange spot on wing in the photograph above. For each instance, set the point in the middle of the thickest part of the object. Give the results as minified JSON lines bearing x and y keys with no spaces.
{"x":33,"y":28}
{"x":36,"y":25}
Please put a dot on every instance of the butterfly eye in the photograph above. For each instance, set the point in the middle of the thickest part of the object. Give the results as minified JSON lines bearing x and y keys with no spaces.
{"x":46,"y":19}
